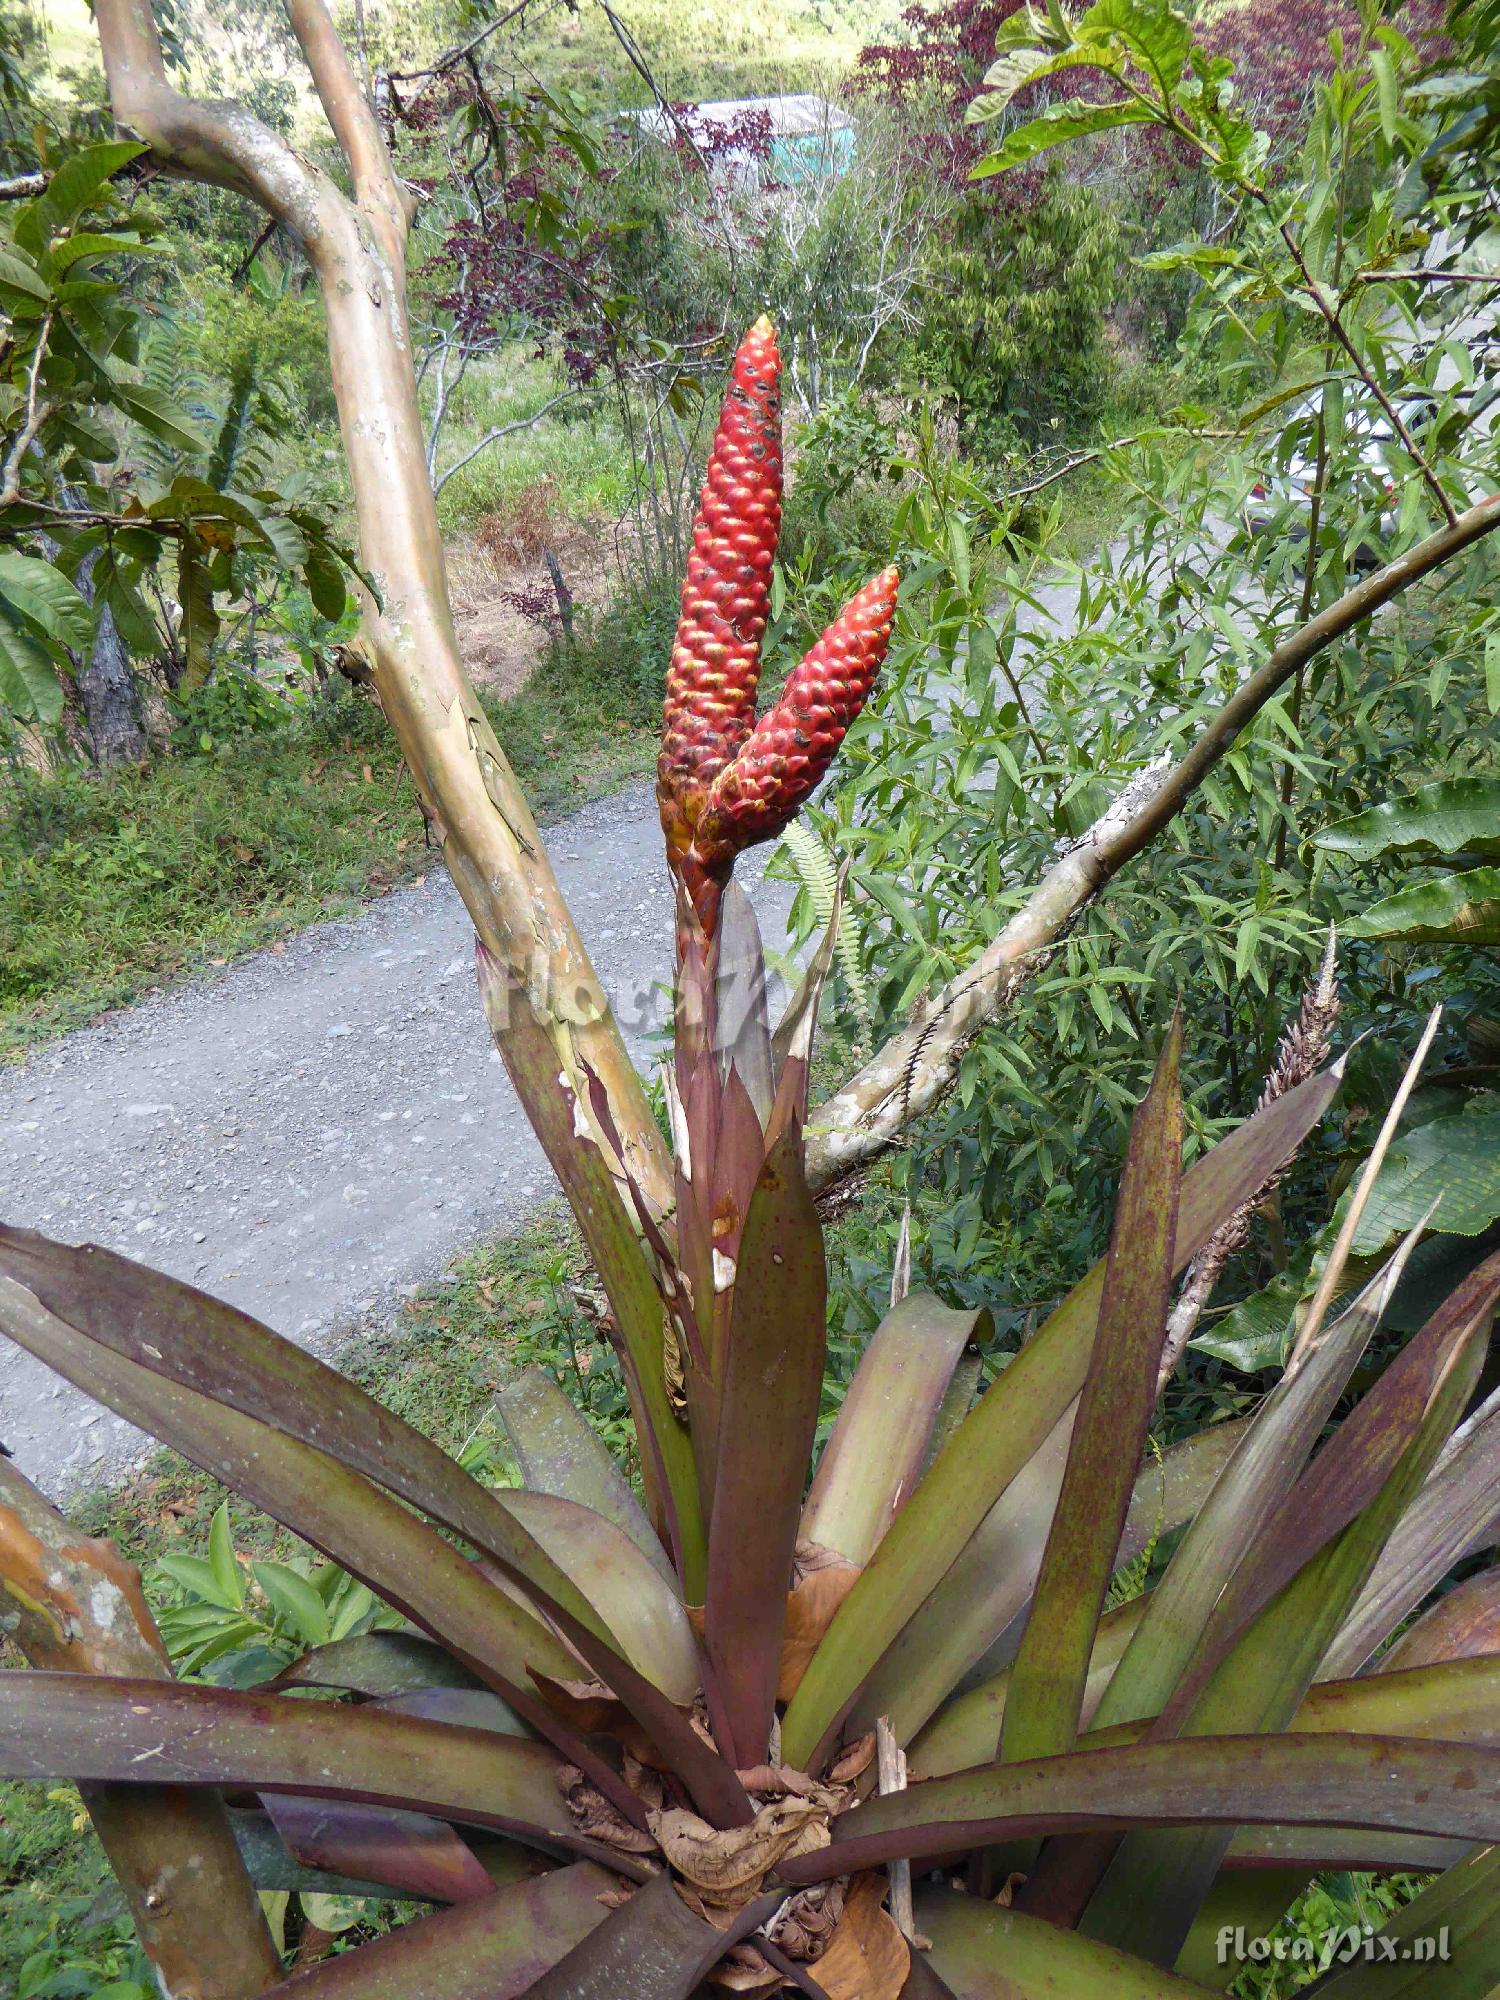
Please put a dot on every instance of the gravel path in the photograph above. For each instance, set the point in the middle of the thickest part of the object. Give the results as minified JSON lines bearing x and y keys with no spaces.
{"x":319,"y":1128}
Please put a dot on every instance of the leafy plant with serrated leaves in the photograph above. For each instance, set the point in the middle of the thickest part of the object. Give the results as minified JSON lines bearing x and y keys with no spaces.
{"x":77,"y":537}
{"x":651,"y":1744}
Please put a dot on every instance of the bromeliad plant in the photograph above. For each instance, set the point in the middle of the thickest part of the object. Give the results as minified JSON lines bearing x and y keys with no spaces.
{"x":647,"y":1750}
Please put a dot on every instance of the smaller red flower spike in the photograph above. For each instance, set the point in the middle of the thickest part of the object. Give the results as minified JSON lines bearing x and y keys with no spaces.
{"x":786,"y":754}
{"x":726,"y":597}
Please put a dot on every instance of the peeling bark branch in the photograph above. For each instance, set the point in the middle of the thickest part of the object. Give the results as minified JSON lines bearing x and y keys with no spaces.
{"x":908,"y":1075}
{"x":73,"y":1606}
{"x":357,"y":251}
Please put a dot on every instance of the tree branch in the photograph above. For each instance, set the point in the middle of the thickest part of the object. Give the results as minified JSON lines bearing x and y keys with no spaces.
{"x":917,"y":1065}
{"x":350,"y":113}
{"x":504,"y":430}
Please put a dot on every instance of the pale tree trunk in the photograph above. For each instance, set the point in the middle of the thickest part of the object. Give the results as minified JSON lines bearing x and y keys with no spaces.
{"x":356,"y":246}
{"x":71,"y":1605}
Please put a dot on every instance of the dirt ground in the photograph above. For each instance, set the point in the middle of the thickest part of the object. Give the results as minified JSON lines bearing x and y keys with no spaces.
{"x":504,"y":607}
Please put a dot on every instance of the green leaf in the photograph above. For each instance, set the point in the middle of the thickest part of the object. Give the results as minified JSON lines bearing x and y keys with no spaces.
{"x":1004,"y":1431}
{"x":325,"y":584}
{"x":1447,"y":909}
{"x":1453,"y":1161}
{"x":199,"y":1576}
{"x":19,"y":274}
{"x":1460,"y":1910}
{"x":158,"y":414}
{"x":44,"y":598}
{"x":1492,"y":669}
{"x":1452,"y":815}
{"x":1114,"y":1410}
{"x":227,"y":1573}
{"x":558,"y":1451}
{"x":73,"y":249}
{"x":29,"y":685}
{"x":200,"y":617}
{"x":70,"y":191}
{"x":294,"y":1601}
{"x":982,"y":1952}
{"x":1055,"y":126}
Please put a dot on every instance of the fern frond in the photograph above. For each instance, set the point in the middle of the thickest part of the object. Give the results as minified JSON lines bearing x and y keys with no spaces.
{"x":819,"y":876}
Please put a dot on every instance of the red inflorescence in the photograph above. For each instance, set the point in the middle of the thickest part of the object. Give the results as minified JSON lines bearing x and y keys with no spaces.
{"x":710,"y":703}
{"x":725,"y":781}
{"x":792,"y":745}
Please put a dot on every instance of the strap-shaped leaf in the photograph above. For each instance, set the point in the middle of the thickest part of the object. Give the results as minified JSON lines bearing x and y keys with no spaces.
{"x":1456,"y":1513}
{"x":874,"y":1457}
{"x":377,"y":1663}
{"x":397,"y":1555}
{"x":966,"y":1633}
{"x":87,"y":1727}
{"x":411,"y":1854}
{"x":1294,"y":1588}
{"x":982,"y":1952}
{"x":498,"y":1946}
{"x":1047,"y":1684}
{"x":1452,"y":1789}
{"x":559,"y":1452}
{"x":1269,"y":1460}
{"x":998,"y":1437}
{"x":551,"y":1103}
{"x":187,"y":1336}
{"x":772,"y":1386}
{"x":654,"y":1948}
{"x":1461,"y":1912}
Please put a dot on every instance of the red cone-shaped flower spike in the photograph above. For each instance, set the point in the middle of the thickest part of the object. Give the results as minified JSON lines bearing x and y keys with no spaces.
{"x":710,"y":702}
{"x":791,"y":747}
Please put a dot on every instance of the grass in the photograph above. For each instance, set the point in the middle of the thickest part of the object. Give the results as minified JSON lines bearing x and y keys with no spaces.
{"x":112,"y":887}
{"x":576,"y":448}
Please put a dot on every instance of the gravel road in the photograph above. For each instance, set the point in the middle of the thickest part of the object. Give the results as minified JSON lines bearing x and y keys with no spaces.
{"x":318,"y":1128}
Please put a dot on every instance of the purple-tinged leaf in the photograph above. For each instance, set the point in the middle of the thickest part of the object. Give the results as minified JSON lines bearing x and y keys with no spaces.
{"x":874,"y":1457}
{"x":1452,"y":1789}
{"x":559,"y":1452}
{"x":498,"y":1946}
{"x":84,"y":1726}
{"x":136,"y":1320}
{"x":1464,"y":1624}
{"x":377,"y":1663}
{"x":1004,"y":1430}
{"x":1459,"y":1911}
{"x":345,"y":1515}
{"x":1456,"y":1514}
{"x":1345,"y":1477}
{"x":742,"y":1029}
{"x":966,"y":1633}
{"x":654,"y":1948}
{"x":772,"y":1386}
{"x":1269,"y":1460}
{"x":985,"y":1953}
{"x":1252,"y":1672}
{"x":1114,"y":1410}
{"x":613,"y":1236}
{"x":410,"y":1854}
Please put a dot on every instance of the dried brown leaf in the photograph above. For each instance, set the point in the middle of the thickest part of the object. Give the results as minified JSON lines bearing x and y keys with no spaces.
{"x":867,"y":1959}
{"x":853,"y":1762}
{"x":728,"y":1866}
{"x":821,"y":1580}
